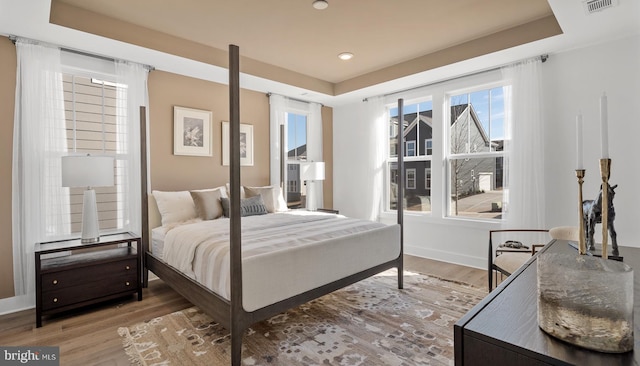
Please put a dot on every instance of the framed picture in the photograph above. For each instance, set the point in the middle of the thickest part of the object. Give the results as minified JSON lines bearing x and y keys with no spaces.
{"x":246,"y":144}
{"x":191,"y":132}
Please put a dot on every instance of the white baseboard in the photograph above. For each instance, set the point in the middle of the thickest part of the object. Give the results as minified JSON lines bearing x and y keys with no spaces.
{"x":17,"y":303}
{"x":449,"y":257}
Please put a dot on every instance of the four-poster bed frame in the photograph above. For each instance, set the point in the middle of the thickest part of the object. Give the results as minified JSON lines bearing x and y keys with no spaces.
{"x":230,"y":313}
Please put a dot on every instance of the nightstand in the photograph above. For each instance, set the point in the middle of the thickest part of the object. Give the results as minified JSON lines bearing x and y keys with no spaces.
{"x":89,"y":274}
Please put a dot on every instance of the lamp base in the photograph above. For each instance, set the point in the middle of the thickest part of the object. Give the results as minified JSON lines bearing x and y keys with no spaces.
{"x":311,"y":199}
{"x":90,"y":225}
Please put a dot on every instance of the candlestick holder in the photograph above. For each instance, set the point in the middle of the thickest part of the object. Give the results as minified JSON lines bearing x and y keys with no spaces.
{"x":605,"y":171}
{"x":582,"y":247}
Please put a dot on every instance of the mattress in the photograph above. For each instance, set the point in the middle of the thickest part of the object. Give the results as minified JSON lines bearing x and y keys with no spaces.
{"x":157,"y":240}
{"x":284,"y":254}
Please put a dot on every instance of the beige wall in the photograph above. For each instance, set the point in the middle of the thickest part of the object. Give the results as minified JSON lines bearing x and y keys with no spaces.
{"x":7,"y":101}
{"x":168,"y":171}
{"x":177,"y":172}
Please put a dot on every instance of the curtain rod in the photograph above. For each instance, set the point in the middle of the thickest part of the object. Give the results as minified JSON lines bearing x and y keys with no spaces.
{"x":542,"y":58}
{"x":14,"y":38}
{"x":295,"y":99}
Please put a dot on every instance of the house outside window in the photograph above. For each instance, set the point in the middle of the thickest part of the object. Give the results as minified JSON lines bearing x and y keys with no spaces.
{"x":475,"y":153}
{"x":417,"y":158}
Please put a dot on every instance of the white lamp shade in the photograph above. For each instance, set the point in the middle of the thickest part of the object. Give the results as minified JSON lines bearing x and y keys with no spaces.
{"x":312,"y":171}
{"x":87,"y":171}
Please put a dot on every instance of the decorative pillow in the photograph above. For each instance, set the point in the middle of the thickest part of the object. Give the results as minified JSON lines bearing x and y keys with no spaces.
{"x":228,"y":191}
{"x":273,"y":200}
{"x":248,"y":206}
{"x":207,"y":202}
{"x":175,"y":207}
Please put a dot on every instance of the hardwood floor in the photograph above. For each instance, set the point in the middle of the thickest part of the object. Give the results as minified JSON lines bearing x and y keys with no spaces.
{"x":90,"y":336}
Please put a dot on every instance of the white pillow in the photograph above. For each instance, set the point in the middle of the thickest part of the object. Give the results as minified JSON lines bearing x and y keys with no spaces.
{"x":273,"y":200}
{"x":175,"y":207}
{"x":228,"y":191}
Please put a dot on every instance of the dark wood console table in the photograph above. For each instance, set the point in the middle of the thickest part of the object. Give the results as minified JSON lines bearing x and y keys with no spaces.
{"x":503,"y":328}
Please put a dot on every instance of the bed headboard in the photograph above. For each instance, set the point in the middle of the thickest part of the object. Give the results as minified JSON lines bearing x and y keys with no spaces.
{"x":155,"y":219}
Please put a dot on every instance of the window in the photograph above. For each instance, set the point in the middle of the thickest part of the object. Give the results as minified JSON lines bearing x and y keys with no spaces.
{"x":475,"y":154}
{"x":428,"y":146}
{"x":417,"y":126}
{"x":411,"y":178}
{"x":101,"y":110}
{"x":427,"y":179}
{"x":90,"y":112}
{"x":296,"y":145}
{"x":411,"y":148}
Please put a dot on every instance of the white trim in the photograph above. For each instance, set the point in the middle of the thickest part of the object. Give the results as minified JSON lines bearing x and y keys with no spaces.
{"x":17,"y":303}
{"x":445,"y":256}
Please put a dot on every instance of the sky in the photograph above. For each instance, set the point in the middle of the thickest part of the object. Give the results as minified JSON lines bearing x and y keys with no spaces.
{"x":296,"y":130}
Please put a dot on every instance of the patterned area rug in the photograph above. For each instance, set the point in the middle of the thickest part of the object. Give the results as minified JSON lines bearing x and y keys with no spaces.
{"x":368,"y":323}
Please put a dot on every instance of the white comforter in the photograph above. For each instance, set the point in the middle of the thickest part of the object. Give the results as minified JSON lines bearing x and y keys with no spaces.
{"x":201,"y":250}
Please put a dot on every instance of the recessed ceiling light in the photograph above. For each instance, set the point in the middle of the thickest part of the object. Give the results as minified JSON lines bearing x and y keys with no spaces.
{"x":320,"y":4}
{"x":345,"y":56}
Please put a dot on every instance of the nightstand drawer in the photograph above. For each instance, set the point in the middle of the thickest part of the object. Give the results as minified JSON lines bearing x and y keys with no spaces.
{"x":91,"y":273}
{"x":89,"y":290}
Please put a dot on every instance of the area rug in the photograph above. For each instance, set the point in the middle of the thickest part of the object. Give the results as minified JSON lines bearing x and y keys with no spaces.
{"x":368,"y":323}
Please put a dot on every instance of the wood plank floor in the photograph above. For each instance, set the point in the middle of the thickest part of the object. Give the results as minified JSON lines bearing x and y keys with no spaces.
{"x":90,"y":337}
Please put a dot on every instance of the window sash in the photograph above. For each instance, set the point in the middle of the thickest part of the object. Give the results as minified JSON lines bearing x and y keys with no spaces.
{"x":91,"y":119}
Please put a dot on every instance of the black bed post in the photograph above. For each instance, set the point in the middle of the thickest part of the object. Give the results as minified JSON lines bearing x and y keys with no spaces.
{"x":234,"y":215}
{"x":400,"y":195}
{"x":144,"y":194}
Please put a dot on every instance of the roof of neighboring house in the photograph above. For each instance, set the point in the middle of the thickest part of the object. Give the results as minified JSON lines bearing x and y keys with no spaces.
{"x":298,"y":151}
{"x":458,"y":111}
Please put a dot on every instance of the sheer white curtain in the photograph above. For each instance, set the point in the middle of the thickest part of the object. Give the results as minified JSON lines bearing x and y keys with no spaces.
{"x":524,"y":152}
{"x":128,"y":102}
{"x":40,"y":204}
{"x":314,"y":147}
{"x":278,"y":110}
{"x":376,"y":142}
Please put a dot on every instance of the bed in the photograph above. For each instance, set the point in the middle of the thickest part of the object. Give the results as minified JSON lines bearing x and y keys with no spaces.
{"x":305,"y":254}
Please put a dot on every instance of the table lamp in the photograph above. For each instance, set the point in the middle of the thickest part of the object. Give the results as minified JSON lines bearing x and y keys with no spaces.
{"x":311,"y":172}
{"x":88,"y":171}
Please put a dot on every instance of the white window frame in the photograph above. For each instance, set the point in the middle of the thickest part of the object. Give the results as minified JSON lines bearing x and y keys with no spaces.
{"x":448,"y":157}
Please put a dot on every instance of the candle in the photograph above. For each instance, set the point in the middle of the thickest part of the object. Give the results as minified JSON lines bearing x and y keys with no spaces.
{"x":579,"y":163}
{"x":604,"y":127}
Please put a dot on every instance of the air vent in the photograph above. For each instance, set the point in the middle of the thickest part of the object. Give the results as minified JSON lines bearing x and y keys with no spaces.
{"x":593,"y":6}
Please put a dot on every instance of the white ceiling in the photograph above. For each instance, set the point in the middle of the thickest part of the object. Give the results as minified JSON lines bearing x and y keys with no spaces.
{"x":364,"y":27}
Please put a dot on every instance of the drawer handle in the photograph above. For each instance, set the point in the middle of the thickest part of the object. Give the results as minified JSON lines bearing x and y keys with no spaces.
{"x":127,"y":267}
{"x":55,"y":282}
{"x":127,"y":283}
{"x":55,"y":299}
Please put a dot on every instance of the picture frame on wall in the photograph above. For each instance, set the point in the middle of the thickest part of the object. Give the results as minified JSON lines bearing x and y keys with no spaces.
{"x":246,"y":144}
{"x":192,"y":133}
